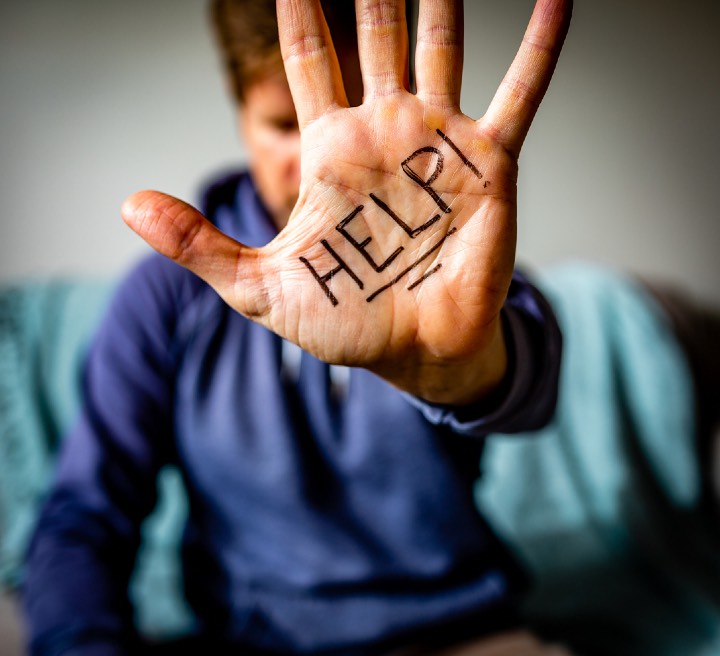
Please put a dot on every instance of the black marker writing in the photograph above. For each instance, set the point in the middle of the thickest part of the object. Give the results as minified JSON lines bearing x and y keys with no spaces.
{"x":322,"y":280}
{"x":459,"y":153}
{"x":360,"y":246}
{"x":412,"y":232}
{"x":404,"y":272}
{"x":425,"y":184}
{"x":425,"y":276}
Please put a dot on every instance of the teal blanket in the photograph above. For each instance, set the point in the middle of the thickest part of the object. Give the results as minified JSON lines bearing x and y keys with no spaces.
{"x":44,"y":330}
{"x":601,"y":505}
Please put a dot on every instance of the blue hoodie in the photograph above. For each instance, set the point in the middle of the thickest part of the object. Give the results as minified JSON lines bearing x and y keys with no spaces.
{"x":327,"y":510}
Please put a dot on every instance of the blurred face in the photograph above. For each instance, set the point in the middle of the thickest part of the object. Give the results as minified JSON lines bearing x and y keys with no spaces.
{"x":269,"y":127}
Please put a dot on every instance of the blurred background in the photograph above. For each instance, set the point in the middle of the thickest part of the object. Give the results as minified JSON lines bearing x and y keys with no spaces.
{"x":101,"y":98}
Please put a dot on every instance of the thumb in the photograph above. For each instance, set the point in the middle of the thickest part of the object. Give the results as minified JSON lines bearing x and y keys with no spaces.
{"x":178,"y":231}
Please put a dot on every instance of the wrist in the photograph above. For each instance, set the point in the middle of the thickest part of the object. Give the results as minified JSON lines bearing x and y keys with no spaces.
{"x":458,"y":381}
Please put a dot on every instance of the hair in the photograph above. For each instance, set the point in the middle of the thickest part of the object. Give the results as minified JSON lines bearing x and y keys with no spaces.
{"x":247,"y":36}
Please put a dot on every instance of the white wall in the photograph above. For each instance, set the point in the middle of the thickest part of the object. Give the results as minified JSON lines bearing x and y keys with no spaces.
{"x":101,"y":98}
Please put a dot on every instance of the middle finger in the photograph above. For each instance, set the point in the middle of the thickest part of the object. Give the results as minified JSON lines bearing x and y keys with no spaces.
{"x":382,"y":46}
{"x":439,"y":52}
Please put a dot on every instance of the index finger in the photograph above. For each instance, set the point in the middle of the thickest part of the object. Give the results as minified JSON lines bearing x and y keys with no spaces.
{"x":517,"y":99}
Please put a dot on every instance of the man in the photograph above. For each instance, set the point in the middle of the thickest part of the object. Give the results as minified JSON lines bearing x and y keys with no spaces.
{"x":327,"y":514}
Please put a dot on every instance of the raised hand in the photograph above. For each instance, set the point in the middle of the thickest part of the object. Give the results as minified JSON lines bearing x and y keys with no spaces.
{"x":399,"y":253}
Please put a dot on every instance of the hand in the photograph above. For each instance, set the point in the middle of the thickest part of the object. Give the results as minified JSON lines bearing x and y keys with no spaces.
{"x":399,"y":253}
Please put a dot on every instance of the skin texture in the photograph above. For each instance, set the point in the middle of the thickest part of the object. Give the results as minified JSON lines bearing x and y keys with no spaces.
{"x":441,"y":340}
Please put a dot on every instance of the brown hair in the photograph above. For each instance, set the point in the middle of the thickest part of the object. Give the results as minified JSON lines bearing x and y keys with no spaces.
{"x":247,"y":36}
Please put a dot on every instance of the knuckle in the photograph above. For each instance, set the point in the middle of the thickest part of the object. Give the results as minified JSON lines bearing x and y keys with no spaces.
{"x":380,"y":14}
{"x":440,"y":35}
{"x":523,"y":91}
{"x":303,"y":47}
{"x":180,"y":226}
{"x":188,"y":234}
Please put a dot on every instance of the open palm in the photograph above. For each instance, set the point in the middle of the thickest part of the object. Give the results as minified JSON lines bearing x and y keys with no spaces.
{"x":399,"y":253}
